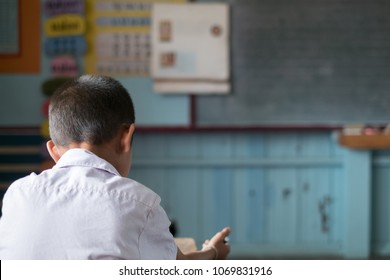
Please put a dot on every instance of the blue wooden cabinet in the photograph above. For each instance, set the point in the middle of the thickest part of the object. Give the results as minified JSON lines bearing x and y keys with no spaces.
{"x":283,"y":194}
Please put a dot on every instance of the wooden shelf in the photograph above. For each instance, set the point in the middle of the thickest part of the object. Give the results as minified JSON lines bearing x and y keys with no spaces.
{"x":377,"y":141}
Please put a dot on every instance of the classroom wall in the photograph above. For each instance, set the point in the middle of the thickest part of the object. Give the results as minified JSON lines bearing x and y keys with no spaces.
{"x":285,"y":193}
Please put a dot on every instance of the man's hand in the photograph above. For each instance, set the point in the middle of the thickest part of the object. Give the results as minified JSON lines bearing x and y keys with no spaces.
{"x":219,"y":243}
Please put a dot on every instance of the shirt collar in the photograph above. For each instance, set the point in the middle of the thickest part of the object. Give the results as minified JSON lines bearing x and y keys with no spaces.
{"x":83,"y":157}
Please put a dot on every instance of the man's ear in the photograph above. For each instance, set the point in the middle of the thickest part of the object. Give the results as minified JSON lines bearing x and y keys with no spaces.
{"x":127,"y":138}
{"x":53,"y":150}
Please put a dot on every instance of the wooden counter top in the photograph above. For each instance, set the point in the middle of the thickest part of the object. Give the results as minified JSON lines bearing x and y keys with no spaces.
{"x":376,"y":141}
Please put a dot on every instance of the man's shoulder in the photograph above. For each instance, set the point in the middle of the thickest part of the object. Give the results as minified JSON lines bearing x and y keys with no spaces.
{"x":108,"y":187}
{"x":128,"y":189}
{"x":23,"y":181}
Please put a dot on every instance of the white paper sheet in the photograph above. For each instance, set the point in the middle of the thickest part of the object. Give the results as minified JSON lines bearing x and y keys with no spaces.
{"x":190,"y":48}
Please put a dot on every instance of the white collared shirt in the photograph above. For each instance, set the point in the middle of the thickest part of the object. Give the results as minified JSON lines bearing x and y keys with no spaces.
{"x":83,"y":209}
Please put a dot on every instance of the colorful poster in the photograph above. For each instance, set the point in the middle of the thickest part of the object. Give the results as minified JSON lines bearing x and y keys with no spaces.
{"x":119,"y":41}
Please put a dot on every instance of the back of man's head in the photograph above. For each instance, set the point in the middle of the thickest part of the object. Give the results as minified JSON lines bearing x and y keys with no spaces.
{"x":89,"y":109}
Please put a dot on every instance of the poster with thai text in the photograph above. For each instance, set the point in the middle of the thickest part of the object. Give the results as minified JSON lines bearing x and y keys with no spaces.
{"x":119,"y":42}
